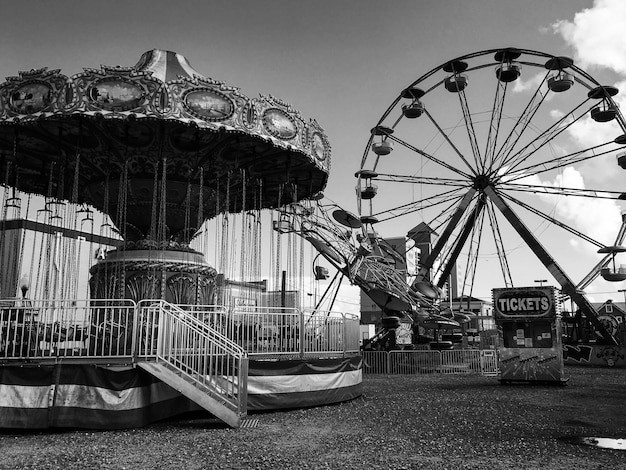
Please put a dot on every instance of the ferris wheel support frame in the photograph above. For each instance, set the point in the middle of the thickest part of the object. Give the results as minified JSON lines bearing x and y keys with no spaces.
{"x":467,"y":229}
{"x":445,"y":236}
{"x":567,"y":285}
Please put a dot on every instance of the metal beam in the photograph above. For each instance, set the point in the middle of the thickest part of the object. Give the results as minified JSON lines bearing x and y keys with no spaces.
{"x":443,"y":239}
{"x":467,"y":229}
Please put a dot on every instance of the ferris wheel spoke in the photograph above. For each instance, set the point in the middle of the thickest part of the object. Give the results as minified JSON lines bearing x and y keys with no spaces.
{"x":428,"y":156}
{"x":562,"y":191}
{"x":499,"y":244}
{"x":494,"y":123}
{"x":422,"y":180}
{"x":412,"y":179}
{"x":469,"y":125}
{"x":452,"y":197}
{"x":529,"y":238}
{"x":452,"y":145}
{"x":519,"y":128}
{"x":560,"y":162}
{"x":469,"y":275}
{"x":513,"y":160}
{"x":554,"y":221}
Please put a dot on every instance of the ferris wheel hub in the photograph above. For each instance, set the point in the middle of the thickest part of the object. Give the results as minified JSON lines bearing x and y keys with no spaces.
{"x":481,"y":182}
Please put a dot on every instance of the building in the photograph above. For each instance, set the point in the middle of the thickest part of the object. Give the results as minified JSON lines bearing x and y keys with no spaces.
{"x":48,"y":257}
{"x":613,"y":317}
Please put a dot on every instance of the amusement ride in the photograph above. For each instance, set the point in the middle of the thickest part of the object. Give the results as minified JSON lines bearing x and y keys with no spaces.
{"x":150,"y":167}
{"x":477,"y":148}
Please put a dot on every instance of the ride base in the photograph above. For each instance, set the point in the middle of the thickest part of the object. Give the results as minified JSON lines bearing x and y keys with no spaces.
{"x":116,"y":364}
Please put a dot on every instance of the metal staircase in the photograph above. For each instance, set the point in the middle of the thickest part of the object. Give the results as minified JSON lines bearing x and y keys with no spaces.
{"x":193,"y":358}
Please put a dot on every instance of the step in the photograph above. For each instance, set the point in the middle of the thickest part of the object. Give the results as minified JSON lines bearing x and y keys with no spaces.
{"x":182,"y":384}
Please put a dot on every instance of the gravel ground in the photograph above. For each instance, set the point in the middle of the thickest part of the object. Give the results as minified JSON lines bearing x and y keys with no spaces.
{"x":400,"y":422}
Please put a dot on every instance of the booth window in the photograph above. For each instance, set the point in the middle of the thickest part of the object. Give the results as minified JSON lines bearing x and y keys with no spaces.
{"x":525,"y":334}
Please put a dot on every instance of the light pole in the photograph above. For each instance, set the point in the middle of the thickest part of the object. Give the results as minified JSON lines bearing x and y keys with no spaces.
{"x":624,"y":291}
{"x":541,"y":281}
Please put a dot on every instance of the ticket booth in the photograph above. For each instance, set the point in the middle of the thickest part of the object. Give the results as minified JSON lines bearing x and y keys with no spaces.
{"x":529,"y":327}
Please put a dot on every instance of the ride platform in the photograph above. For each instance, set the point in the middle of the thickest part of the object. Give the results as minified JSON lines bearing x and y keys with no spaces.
{"x":115,"y":364}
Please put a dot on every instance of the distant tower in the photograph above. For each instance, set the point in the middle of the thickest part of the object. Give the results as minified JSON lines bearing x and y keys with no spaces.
{"x":422,"y":235}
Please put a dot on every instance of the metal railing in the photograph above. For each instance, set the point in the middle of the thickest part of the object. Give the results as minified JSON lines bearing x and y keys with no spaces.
{"x":283,"y":332}
{"x":276,"y":331}
{"x":120,"y":331}
{"x":194,"y":350}
{"x":49,"y":330}
{"x":418,"y":362}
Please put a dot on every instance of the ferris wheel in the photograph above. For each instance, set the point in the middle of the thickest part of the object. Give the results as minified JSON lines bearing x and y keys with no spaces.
{"x":490,"y":151}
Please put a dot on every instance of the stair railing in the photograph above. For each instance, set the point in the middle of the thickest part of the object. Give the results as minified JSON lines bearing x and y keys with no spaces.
{"x":194,"y":350}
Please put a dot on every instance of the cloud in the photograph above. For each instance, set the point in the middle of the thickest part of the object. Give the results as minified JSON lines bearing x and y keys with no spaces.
{"x":597,"y":35}
{"x":532,"y":83}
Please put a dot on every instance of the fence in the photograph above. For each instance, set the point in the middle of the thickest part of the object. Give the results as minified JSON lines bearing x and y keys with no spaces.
{"x":411,"y":362}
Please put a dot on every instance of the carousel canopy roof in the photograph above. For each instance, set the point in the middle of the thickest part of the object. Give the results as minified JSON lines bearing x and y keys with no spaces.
{"x":212,"y":148}
{"x":166,"y":65}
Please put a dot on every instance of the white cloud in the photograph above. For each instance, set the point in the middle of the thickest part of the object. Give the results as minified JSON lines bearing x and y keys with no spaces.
{"x":532,"y":83}
{"x":597,"y":35}
{"x":556,"y":114}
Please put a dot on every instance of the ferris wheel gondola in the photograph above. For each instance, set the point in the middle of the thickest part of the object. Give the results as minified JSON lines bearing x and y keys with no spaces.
{"x":613,"y":273}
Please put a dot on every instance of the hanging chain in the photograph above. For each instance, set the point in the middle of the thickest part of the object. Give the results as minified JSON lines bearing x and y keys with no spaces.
{"x":161,"y":235}
{"x":259,"y":236}
{"x":244,"y":241}
{"x":278,"y":247}
{"x":122,"y":200}
{"x":201,"y":200}
{"x":155,"y":192}
{"x":187,"y":228}
{"x":225,"y":236}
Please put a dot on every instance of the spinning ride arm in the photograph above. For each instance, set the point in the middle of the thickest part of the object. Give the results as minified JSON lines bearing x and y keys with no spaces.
{"x":386,"y":285}
{"x":567,"y":285}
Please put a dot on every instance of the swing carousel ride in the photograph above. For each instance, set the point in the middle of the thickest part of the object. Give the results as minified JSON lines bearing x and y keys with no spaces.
{"x":479,"y":149}
{"x":163,"y":165}
{"x":159,"y":149}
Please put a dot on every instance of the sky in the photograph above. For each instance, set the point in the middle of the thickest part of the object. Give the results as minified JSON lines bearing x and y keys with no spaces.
{"x":341,"y":62}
